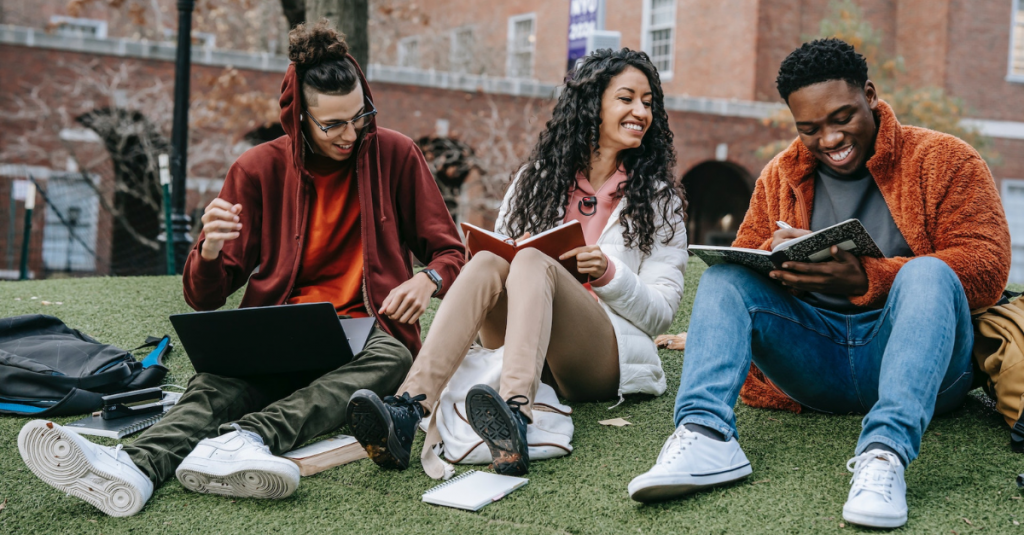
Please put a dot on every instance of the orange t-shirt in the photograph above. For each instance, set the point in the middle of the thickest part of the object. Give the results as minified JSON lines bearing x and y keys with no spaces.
{"x":331,"y":269}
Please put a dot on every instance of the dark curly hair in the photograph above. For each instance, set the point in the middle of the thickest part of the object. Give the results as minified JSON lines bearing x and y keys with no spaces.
{"x":821,"y":60}
{"x":321,"y":60}
{"x":571,"y":137}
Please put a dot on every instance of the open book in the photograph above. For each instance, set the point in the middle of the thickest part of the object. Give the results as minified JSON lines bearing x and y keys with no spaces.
{"x":553,"y":242}
{"x":850,"y":235}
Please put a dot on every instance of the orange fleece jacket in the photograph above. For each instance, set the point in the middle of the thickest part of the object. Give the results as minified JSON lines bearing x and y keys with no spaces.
{"x":941,"y":195}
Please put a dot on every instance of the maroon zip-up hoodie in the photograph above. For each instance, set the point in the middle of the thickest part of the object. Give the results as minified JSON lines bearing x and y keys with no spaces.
{"x":402,"y":214}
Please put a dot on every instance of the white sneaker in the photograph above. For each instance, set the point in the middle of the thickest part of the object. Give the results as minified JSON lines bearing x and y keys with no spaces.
{"x":878,"y":496}
{"x":104,"y":476}
{"x":238,"y":464}
{"x":690,"y":462}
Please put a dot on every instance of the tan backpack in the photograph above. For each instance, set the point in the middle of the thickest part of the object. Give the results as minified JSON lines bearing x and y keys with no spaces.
{"x":999,"y":352}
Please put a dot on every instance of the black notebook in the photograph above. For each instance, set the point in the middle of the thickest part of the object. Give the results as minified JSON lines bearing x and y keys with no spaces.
{"x":850,"y":235}
{"x":119,"y":428}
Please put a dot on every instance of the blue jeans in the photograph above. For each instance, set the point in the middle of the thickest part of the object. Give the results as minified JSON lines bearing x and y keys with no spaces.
{"x":901,"y":364}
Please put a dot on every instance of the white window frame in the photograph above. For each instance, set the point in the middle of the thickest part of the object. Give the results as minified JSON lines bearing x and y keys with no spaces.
{"x":646,"y":29}
{"x":403,"y":52}
{"x":100,"y":26}
{"x":1015,"y":222}
{"x":511,"y":46}
{"x":461,"y":60}
{"x":1016,"y":8}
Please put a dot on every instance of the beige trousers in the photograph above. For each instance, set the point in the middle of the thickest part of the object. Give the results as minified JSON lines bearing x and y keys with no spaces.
{"x":539,"y":312}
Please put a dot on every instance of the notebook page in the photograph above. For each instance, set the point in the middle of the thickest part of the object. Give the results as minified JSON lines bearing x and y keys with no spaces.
{"x":473,"y":490}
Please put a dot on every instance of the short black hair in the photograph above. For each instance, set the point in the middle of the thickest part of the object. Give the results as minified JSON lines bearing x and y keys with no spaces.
{"x":819,"y":61}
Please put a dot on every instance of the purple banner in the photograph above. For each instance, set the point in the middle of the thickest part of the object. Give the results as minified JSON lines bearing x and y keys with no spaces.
{"x":583,"y":15}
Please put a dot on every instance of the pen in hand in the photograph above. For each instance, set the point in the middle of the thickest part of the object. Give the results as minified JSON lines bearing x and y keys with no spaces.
{"x":783,"y":224}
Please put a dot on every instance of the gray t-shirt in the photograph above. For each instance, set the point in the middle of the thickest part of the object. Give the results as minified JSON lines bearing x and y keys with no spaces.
{"x":838,"y":198}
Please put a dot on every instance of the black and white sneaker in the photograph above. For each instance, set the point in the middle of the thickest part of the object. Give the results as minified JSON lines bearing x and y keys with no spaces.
{"x":386,"y":428}
{"x":502,"y":426}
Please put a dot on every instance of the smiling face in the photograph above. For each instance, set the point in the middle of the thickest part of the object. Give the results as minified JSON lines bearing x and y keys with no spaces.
{"x":339,"y":142}
{"x":836,"y":123}
{"x":625,"y":110}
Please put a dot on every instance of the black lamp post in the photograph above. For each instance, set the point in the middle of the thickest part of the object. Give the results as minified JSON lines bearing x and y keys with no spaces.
{"x":179,"y":134}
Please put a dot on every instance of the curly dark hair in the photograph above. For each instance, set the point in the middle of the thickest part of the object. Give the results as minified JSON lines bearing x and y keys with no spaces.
{"x":571,"y":137}
{"x":821,"y":60}
{"x":321,"y":60}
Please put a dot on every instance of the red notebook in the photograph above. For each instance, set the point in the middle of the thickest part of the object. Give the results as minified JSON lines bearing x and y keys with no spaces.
{"x":553,"y":242}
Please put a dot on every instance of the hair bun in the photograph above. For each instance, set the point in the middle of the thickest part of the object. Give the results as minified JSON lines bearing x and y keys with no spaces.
{"x":312,"y":44}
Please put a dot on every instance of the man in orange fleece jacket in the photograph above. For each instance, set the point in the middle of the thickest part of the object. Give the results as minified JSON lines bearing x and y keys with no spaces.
{"x":888,"y":337}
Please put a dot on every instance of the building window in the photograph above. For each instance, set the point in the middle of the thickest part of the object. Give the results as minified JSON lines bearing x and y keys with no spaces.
{"x":409,"y":52}
{"x":522,"y":36}
{"x":659,"y":33}
{"x":1017,"y":42}
{"x":73,"y":27}
{"x":463,"y":43}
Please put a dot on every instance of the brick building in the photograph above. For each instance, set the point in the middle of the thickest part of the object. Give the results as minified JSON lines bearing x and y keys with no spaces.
{"x":487,"y":73}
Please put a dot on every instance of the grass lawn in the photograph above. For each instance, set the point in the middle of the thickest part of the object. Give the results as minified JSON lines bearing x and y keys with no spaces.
{"x":963,"y":482}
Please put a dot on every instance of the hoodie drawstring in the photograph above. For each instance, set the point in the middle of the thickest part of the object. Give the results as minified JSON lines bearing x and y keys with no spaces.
{"x":380,"y":188}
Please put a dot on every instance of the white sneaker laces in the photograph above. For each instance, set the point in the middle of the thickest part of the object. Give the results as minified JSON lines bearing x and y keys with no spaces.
{"x":871,"y":476}
{"x":676,"y":443}
{"x":252,"y":438}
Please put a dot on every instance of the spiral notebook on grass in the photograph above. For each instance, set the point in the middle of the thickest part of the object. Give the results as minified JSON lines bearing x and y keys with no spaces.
{"x":119,"y":428}
{"x":850,"y":235}
{"x":473,"y":490}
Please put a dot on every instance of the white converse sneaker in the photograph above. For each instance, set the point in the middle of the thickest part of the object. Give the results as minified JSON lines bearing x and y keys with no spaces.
{"x":101,"y":475}
{"x":238,"y":464}
{"x":878,"y":496}
{"x":690,"y":462}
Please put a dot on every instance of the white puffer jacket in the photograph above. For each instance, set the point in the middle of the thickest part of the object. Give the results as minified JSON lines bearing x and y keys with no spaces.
{"x":641,"y":299}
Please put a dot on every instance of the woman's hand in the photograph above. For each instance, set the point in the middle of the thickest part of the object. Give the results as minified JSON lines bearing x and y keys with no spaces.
{"x":589,"y":260}
{"x":220,"y":224}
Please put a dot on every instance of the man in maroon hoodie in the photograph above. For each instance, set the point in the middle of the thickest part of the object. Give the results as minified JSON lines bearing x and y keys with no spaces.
{"x":332,"y":211}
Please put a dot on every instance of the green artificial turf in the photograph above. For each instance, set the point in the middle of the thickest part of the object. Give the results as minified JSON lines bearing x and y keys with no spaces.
{"x":963,"y":481}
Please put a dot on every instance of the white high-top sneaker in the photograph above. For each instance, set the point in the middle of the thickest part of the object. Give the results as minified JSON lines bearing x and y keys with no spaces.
{"x":878,"y":493}
{"x":103,"y":476}
{"x":238,"y":464}
{"x":689,"y":462}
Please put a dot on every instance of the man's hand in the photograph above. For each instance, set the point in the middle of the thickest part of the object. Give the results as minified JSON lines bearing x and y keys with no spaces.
{"x":407,"y":302}
{"x":785,"y":234}
{"x":844,"y":276}
{"x":589,"y":260}
{"x":220,"y":224}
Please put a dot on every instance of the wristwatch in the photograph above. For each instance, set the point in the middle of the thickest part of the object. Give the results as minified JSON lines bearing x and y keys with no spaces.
{"x":436,"y":280}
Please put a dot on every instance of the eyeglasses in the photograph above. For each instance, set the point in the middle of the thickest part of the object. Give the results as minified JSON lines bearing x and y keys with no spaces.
{"x":359,"y":122}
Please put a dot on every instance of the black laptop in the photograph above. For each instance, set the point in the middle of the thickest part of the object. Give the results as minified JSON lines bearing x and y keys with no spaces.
{"x":271,"y":340}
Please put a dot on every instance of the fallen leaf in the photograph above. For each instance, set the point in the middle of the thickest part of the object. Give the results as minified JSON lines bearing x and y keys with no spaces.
{"x":617,"y":422}
{"x":772,"y":419}
{"x":969,"y":523}
{"x":842,"y":524}
{"x":59,"y":303}
{"x":46,"y":303}
{"x":93,"y":521}
{"x":1014,"y":497}
{"x":1015,"y":523}
{"x":34,"y":297}
{"x":167,"y":523}
{"x":17,"y":299}
{"x":3,"y":504}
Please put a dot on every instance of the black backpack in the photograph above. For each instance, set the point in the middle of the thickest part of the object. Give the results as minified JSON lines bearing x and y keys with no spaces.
{"x":48,"y":369}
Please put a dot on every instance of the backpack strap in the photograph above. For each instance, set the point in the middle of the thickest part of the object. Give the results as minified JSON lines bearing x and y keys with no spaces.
{"x":77,"y":401}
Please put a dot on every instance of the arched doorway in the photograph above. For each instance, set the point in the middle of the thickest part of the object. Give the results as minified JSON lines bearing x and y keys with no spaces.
{"x":718,"y":195}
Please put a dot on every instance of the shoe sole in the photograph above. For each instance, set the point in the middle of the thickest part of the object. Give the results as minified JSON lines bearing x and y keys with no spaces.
{"x":492,"y":420}
{"x":658,"y":488}
{"x":55,"y":457}
{"x":873,"y":521}
{"x":267,"y":482}
{"x":371,"y":425}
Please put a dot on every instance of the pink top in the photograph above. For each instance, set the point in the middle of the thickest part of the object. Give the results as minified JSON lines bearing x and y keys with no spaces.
{"x":599,"y":212}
